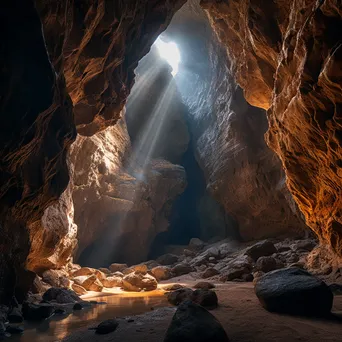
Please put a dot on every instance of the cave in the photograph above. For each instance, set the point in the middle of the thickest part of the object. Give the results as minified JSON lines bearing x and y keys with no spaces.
{"x":181,"y":156}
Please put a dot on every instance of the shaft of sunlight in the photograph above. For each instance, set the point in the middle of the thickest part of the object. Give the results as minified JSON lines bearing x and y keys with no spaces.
{"x":169,"y":51}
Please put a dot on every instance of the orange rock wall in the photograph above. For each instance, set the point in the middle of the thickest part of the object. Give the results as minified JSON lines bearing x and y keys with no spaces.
{"x":287,"y":57}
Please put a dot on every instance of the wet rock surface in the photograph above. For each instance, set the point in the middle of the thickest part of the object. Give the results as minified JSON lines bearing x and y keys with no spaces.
{"x":107,"y":327}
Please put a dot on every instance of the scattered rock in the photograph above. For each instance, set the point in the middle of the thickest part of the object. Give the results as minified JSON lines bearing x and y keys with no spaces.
{"x":189,"y":253}
{"x":62,"y":296}
{"x":201,"y":268}
{"x":266,"y":264}
{"x":38,"y":286}
{"x":210,"y":272}
{"x":193,"y":323}
{"x":196,"y":244}
{"x":13,"y":329}
{"x":92,"y":284}
{"x":137,"y":282}
{"x":247,"y":277}
{"x":304,"y":245}
{"x":257,"y":275}
{"x":294,"y":291}
{"x":206,"y":298}
{"x":100,"y":275}
{"x":84,"y":271}
{"x":173,"y":287}
{"x":118,"y":274}
{"x":55,"y":278}
{"x":105,"y":270}
{"x":161,"y":272}
{"x":112,"y":282}
{"x":181,"y":269}
{"x":80,"y":290}
{"x":15,"y":316}
{"x":167,"y":259}
{"x":36,"y":312}
{"x":117,"y":267}
{"x":204,"y":285}
{"x":141,"y":268}
{"x":262,"y":248}
{"x":179,"y":296}
{"x":212,"y":259}
{"x":107,"y":326}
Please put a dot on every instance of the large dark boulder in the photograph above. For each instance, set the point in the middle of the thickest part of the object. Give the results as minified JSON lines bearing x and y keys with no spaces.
{"x":62,"y":296}
{"x":261,"y":248}
{"x":193,"y":323}
{"x":37,"y":312}
{"x":294,"y":291}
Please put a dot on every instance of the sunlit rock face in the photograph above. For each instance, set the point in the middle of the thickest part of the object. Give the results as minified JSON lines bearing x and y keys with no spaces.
{"x":99,"y":44}
{"x":118,"y":209}
{"x":287,"y":58}
{"x":37,"y":128}
{"x":241,"y":171}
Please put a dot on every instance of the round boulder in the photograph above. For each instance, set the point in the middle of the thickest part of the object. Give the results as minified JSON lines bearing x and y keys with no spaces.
{"x":193,"y":323}
{"x":294,"y":291}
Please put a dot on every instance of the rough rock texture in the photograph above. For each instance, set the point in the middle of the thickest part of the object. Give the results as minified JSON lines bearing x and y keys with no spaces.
{"x":37,"y":128}
{"x":294,"y":291}
{"x":99,"y":44}
{"x":241,"y":172}
{"x":287,"y":57}
{"x":114,"y":208}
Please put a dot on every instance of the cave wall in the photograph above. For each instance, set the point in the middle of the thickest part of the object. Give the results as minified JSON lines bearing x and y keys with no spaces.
{"x":37,"y":128}
{"x":99,"y":44}
{"x":287,"y":58}
{"x":50,"y":49}
{"x":241,"y":172}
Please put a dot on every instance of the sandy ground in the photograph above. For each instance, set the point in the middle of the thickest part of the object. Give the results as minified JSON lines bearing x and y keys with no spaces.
{"x":240,"y":314}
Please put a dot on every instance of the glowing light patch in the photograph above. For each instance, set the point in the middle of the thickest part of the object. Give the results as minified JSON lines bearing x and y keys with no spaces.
{"x":169,"y":51}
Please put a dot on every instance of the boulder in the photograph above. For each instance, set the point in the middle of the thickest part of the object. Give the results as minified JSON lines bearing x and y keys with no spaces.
{"x":181,"y":269}
{"x":204,"y":285}
{"x":294,"y":291}
{"x":161,"y":272}
{"x":100,"y":275}
{"x":167,"y":259}
{"x":112,"y":281}
{"x":107,"y":326}
{"x":39,"y":286}
{"x":266,"y":264}
{"x":173,"y":287}
{"x":55,"y":278}
{"x":193,"y":323}
{"x":262,"y":248}
{"x":117,"y":267}
{"x":80,"y":290}
{"x":137,"y":282}
{"x":83,"y":271}
{"x":304,"y":245}
{"x":196,"y":244}
{"x":62,"y":296}
{"x":105,"y":270}
{"x":91,"y":283}
{"x":141,"y":268}
{"x":209,"y":272}
{"x":36,"y":312}
{"x":206,"y":298}
{"x":189,"y":253}
{"x":178,"y":296}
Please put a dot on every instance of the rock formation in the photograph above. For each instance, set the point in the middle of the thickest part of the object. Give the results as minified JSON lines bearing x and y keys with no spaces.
{"x":241,"y":172}
{"x":286,"y":56}
{"x":95,"y":47}
{"x":118,"y":206}
{"x":99,"y":44}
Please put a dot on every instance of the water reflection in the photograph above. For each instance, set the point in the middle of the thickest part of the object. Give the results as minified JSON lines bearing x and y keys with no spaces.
{"x":58,"y":327}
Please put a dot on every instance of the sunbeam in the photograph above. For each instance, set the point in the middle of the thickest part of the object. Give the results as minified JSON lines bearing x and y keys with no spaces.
{"x":169,"y":51}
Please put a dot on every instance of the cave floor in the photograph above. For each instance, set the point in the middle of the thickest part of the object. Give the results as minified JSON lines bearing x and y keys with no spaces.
{"x":240,"y":314}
